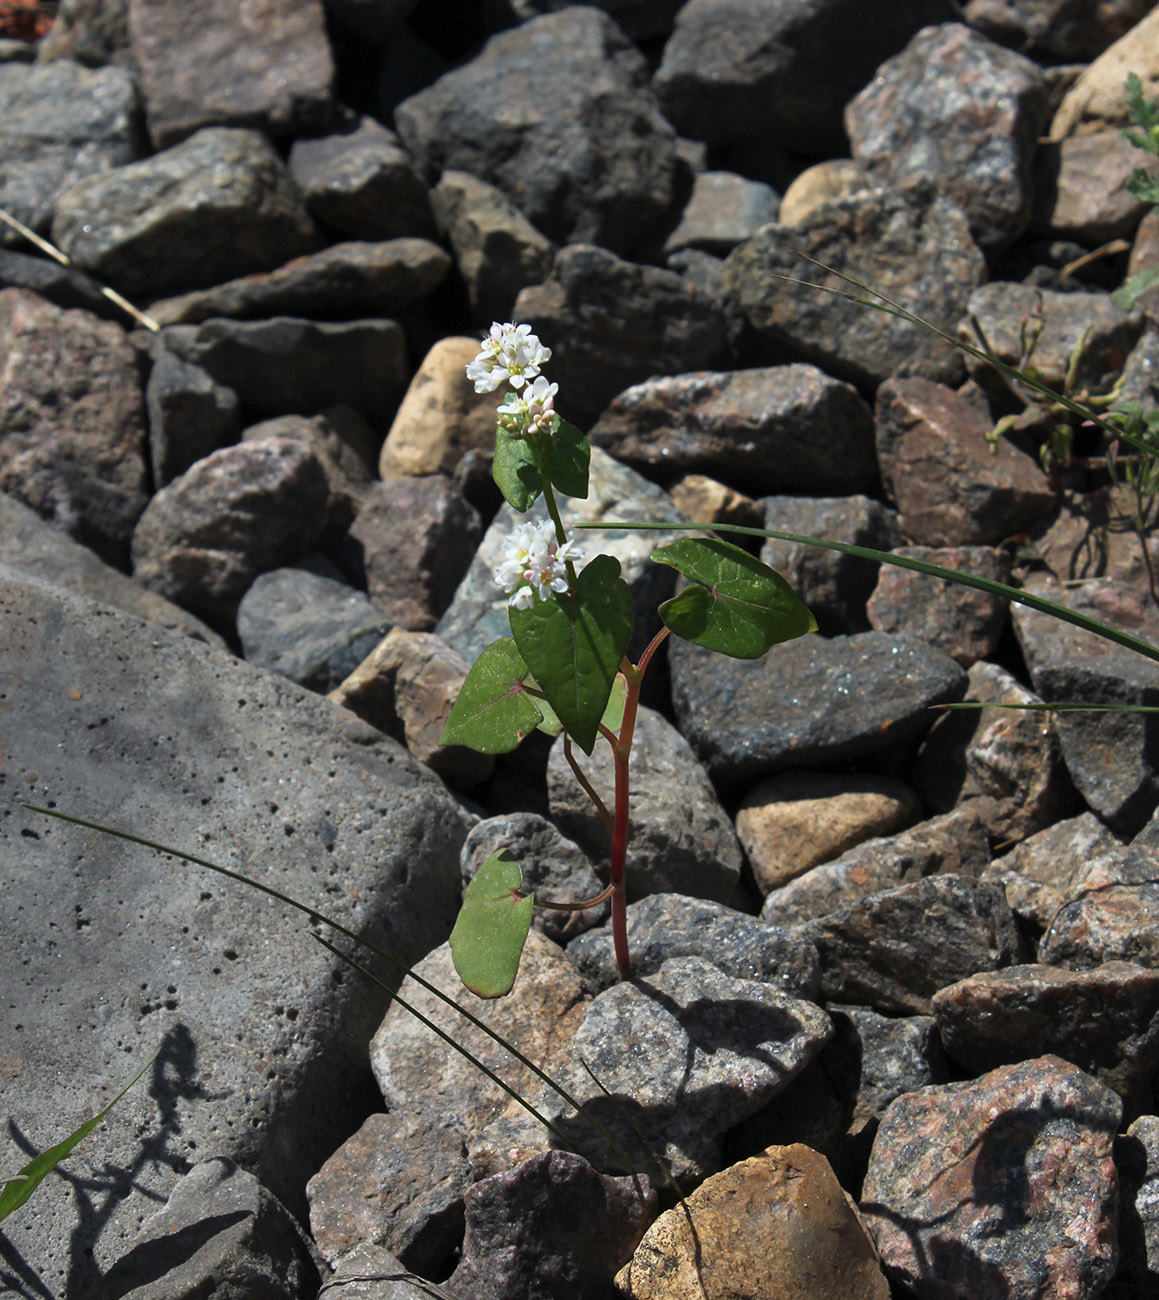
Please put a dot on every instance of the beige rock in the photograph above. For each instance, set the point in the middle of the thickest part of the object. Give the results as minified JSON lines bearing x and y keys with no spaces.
{"x":441,"y":416}
{"x":699,"y":497}
{"x":797,"y":820}
{"x":1097,"y":100}
{"x":775,"y":1227}
{"x":837,"y":178}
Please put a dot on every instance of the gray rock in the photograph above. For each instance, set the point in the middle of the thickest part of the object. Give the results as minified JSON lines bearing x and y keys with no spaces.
{"x":218,"y":205}
{"x":203,"y":539}
{"x":61,"y":123}
{"x":201,"y":66}
{"x":553,"y":867}
{"x":836,"y":587}
{"x":723,"y":211}
{"x":61,"y":285}
{"x":263,"y":1035}
{"x":640,"y":19}
{"x":72,"y":422}
{"x":1080,"y":189}
{"x":1137,"y":1160}
{"x":661,"y":324}
{"x":1055,"y":27}
{"x":673,"y":925}
{"x":921,"y":257}
{"x":1112,"y":913}
{"x":771,"y":429}
{"x":808,"y":702}
{"x":373,"y":1273}
{"x":190,"y":416}
{"x":776,"y":71}
{"x":351,"y":279}
{"x":307,"y":624}
{"x":92,"y":32}
{"x":552,"y":1226}
{"x":895,"y":1055}
{"x":361,"y":182}
{"x":955,"y":109}
{"x":681,"y":838}
{"x":220,"y":1233}
{"x":894,"y":950}
{"x":559,"y":115}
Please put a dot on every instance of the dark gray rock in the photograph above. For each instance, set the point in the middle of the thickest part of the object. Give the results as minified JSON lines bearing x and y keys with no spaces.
{"x":894,"y":1055}
{"x":673,"y":925}
{"x":62,"y":123}
{"x":611,"y":324}
{"x":307,"y":624}
{"x":723,"y":210}
{"x":559,"y":115}
{"x":1137,"y":1161}
{"x":262,"y":1034}
{"x":72,"y":422}
{"x":771,"y":429}
{"x":201,"y":66}
{"x":552,"y":1226}
{"x":373,"y":1273}
{"x":780,"y":71}
{"x":190,"y":416}
{"x":1112,"y":913}
{"x":955,"y":109}
{"x":61,"y":285}
{"x":92,"y":32}
{"x":836,"y":587}
{"x":894,"y":950}
{"x":203,"y":539}
{"x":809,"y":701}
{"x":1073,"y":32}
{"x":217,"y":206}
{"x":921,"y":257}
{"x":220,"y":1233}
{"x":640,"y":19}
{"x":682,"y":840}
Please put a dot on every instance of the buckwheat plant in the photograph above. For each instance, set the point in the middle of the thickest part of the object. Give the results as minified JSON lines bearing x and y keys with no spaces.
{"x":564,"y":667}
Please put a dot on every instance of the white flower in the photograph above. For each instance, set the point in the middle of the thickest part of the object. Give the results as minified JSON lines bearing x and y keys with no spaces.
{"x":534,"y":564}
{"x":510,"y":352}
{"x":532,"y":411}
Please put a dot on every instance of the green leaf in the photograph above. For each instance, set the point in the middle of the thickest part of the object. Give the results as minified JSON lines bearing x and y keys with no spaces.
{"x":493,"y":712}
{"x":20,"y":1187}
{"x":613,"y":714}
{"x":569,"y":456}
{"x":574,"y":642}
{"x":515,"y":471}
{"x":1134,"y":286}
{"x":736,"y":605}
{"x":489,"y":935}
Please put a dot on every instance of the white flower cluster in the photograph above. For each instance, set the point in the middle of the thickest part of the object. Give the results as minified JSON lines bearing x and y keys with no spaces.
{"x":509,"y":353}
{"x":534,"y":564}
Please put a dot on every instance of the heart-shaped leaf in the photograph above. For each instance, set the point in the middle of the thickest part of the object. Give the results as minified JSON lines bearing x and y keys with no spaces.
{"x":573,"y":643}
{"x":735,"y":604}
{"x":569,"y":456}
{"x":515,"y":471}
{"x":489,"y":935}
{"x":493,"y":712}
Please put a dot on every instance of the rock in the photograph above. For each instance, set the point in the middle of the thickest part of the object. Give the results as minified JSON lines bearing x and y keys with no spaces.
{"x":771,"y":429}
{"x":1052,"y":28}
{"x":93,"y":32}
{"x":661,"y":324}
{"x":60,"y":285}
{"x":682,"y":840}
{"x":723,"y":211}
{"x":190,"y":416}
{"x":962,"y":622}
{"x":413,"y":540}
{"x":72,"y":422}
{"x":704,"y":499}
{"x":219,"y":1232}
{"x":307,"y":624}
{"x":1079,"y":190}
{"x":361,"y":183}
{"x":835,"y":587}
{"x":949,"y":487}
{"x":775,"y":71}
{"x":894,"y":950}
{"x":1112,"y":913}
{"x":216,"y":206}
{"x":824,"y":182}
{"x":262,"y":1034}
{"x":776,"y":1224}
{"x":992,"y":1170}
{"x":662,"y":926}
{"x":955,"y":109}
{"x":1102,"y":1020}
{"x":1136,"y":1161}
{"x":797,"y":820}
{"x":921,"y":257}
{"x":955,"y":843}
{"x":553,"y":867}
{"x":808,"y":701}
{"x":62,"y":123}
{"x":550,"y":1226}
{"x":218,"y":65}
{"x":497,"y":250}
{"x":640,"y":19}
{"x":530,"y":113}
{"x":239,"y":512}
{"x":1096,"y":99}
{"x":374,"y":21}
{"x":373,"y":1273}
{"x":343,"y":280}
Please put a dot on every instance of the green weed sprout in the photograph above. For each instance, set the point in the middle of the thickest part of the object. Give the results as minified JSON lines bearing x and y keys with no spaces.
{"x":564,"y":668}
{"x":1143,"y":184}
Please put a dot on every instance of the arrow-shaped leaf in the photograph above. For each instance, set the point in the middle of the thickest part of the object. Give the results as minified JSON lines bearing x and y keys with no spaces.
{"x":489,"y":935}
{"x":569,"y":457}
{"x":493,"y":712}
{"x":735,"y":604}
{"x":514,"y":470}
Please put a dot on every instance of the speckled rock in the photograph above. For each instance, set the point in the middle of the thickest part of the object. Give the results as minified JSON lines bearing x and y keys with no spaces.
{"x":835,"y":178}
{"x":1137,"y":1160}
{"x":1080,"y":188}
{"x":373,"y":1273}
{"x":1112,"y":914}
{"x":723,"y":210}
{"x":1054,"y":27}
{"x":190,"y":416}
{"x":1000,"y":1187}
